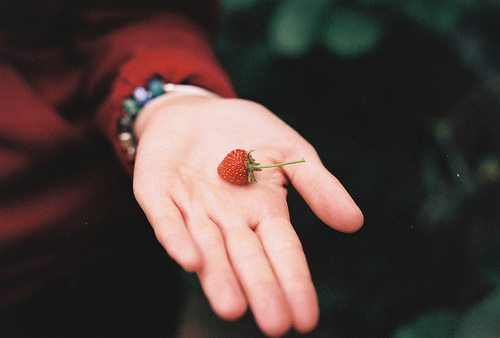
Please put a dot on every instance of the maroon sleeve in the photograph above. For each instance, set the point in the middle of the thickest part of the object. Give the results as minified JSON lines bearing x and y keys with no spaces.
{"x":127,"y":55}
{"x":65,"y":67}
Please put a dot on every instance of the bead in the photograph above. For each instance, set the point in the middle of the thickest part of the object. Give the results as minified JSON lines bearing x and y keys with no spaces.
{"x":169,"y":87}
{"x":155,"y":87}
{"x":124,"y":124}
{"x":141,"y":95}
{"x":126,"y":140}
{"x":130,"y":153}
{"x":131,"y":106}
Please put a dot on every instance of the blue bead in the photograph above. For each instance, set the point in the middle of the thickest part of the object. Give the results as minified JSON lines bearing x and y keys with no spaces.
{"x":141,"y":95}
{"x":155,"y":87}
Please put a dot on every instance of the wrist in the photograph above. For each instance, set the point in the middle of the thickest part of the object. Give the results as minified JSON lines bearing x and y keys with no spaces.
{"x":165,"y":108}
{"x":143,"y":103}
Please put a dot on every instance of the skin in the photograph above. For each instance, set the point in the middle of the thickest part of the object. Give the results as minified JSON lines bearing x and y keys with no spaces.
{"x":238,"y":239}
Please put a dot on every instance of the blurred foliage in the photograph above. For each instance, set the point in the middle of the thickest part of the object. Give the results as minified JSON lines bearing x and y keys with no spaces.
{"x":352,"y":33}
{"x":402,"y":101}
{"x":480,"y":321}
{"x":352,"y":28}
{"x":436,"y":324}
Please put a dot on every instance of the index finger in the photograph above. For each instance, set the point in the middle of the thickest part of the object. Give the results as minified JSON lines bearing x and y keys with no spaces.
{"x":150,"y":190}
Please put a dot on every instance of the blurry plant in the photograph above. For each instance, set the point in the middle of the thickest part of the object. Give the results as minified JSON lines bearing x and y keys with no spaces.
{"x":438,"y":324}
{"x":230,"y":6}
{"x":490,"y":263}
{"x":299,"y":25}
{"x":295,"y":26}
{"x":352,"y":33}
{"x":370,"y":83}
{"x":482,"y":320}
{"x":464,"y":159}
{"x":489,"y":169}
{"x":441,"y":17}
{"x":351,"y":29}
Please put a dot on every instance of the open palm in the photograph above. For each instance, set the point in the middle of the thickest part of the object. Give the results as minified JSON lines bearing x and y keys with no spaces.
{"x":238,"y":239}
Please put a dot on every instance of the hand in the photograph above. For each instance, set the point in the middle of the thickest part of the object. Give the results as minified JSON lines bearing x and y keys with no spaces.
{"x":238,"y":239}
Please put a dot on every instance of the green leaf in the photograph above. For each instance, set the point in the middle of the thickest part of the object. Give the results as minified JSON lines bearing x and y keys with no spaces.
{"x":489,"y":265}
{"x":352,"y":33}
{"x":294,"y":26}
{"x":438,"y":16}
{"x":482,"y":320}
{"x":230,"y":6}
{"x":439,"y":324}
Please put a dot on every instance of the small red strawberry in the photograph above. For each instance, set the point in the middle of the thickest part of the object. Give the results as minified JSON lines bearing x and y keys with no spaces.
{"x":238,"y":167}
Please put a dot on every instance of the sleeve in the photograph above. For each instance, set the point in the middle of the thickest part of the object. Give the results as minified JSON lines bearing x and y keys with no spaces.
{"x":127,"y":47}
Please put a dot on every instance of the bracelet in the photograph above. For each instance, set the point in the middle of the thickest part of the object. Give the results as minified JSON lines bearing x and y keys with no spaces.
{"x":141,"y":97}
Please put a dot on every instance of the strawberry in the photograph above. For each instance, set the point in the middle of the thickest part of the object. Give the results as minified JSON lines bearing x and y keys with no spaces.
{"x":238,"y":167}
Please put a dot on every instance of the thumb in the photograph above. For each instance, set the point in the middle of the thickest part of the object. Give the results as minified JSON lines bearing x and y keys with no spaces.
{"x":325,"y":195}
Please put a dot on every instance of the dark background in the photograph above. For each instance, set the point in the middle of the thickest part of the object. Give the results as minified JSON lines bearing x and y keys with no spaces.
{"x":402,"y":101}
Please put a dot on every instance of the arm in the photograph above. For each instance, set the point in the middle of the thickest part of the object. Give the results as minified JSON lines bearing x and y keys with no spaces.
{"x":238,"y":239}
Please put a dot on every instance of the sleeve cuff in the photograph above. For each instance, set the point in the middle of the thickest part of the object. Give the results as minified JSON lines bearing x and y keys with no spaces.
{"x":174,"y":66}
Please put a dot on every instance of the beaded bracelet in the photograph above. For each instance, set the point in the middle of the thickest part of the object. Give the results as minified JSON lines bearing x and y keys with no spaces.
{"x":141,"y":96}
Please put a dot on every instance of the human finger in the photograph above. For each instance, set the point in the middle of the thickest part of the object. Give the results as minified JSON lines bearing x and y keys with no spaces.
{"x":324,"y":193}
{"x":171,"y":233}
{"x":264,"y":294}
{"x":165,"y":217}
{"x":217,"y":278}
{"x":284,"y":250}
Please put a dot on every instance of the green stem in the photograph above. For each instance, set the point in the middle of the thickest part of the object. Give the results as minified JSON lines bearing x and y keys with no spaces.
{"x":276,"y":165}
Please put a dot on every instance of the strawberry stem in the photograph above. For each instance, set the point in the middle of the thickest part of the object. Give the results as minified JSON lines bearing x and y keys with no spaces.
{"x":276,"y":165}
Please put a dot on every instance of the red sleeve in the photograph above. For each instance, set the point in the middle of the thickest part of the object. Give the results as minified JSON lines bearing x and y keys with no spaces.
{"x":131,"y":52}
